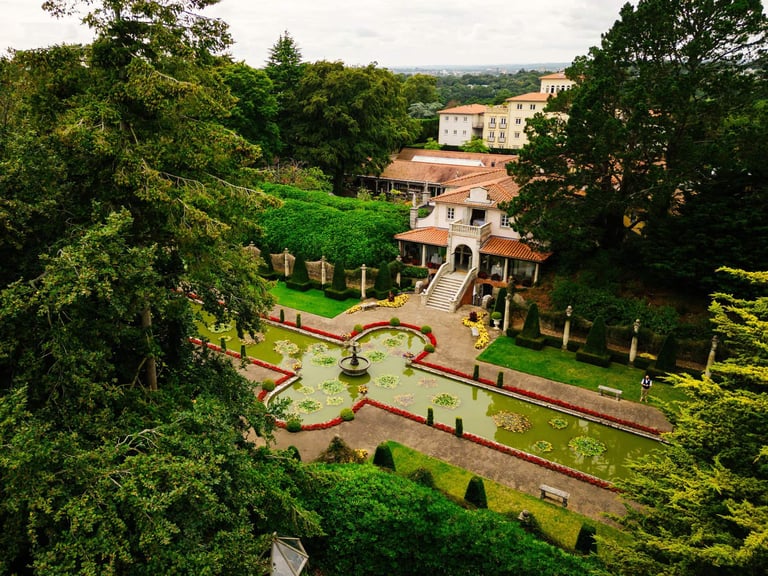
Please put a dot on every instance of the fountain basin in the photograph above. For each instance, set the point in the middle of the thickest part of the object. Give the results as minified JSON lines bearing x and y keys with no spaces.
{"x":354,"y":365}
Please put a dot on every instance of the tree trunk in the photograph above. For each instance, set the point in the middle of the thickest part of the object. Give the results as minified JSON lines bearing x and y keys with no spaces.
{"x":146,"y":323}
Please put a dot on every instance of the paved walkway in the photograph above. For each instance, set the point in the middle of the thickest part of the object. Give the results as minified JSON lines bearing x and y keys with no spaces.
{"x":455,"y":349}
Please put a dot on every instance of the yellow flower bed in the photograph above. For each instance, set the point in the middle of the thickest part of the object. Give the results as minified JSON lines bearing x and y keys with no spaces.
{"x":398,"y":301}
{"x":483,"y":339}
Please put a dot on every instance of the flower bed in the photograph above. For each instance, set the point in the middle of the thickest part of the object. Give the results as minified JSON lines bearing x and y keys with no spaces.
{"x":512,"y":421}
{"x":586,"y":446}
{"x":483,"y":339}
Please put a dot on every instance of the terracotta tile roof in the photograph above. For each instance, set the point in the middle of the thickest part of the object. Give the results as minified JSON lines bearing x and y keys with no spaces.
{"x":501,"y":189}
{"x":485,"y":158}
{"x":466,"y":109}
{"x":554,"y":76}
{"x":497,"y":246}
{"x":402,"y":167}
{"x":530,"y":97}
{"x":476,"y":178}
{"x":432,"y":235}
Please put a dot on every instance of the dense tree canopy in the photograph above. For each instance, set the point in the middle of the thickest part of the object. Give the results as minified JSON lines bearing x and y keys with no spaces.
{"x":123,"y":448}
{"x":703,"y":506}
{"x":646,"y":127}
{"x":347,"y":120}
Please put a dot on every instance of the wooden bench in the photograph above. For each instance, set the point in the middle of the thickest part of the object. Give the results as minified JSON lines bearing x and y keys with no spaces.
{"x":607,"y":390}
{"x":555,"y":492}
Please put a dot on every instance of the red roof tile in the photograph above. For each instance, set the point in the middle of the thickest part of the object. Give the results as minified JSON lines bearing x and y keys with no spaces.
{"x":530,"y":97}
{"x":432,"y":235}
{"x":497,"y":246}
{"x":501,"y":189}
{"x":466,"y":109}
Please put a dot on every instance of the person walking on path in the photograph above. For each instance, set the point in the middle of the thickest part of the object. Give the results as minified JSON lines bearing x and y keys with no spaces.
{"x":645,"y":386}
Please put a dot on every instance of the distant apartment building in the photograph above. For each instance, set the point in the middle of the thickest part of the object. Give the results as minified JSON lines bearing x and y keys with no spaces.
{"x":504,"y":124}
{"x":458,"y":125}
{"x":501,"y":126}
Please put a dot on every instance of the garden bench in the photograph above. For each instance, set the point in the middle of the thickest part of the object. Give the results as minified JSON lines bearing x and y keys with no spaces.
{"x":607,"y":390}
{"x":562,"y":494}
{"x":368,"y":305}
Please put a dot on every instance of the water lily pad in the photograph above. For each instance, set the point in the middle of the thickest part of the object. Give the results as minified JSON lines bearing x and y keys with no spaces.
{"x":404,"y":400}
{"x":512,"y":421}
{"x":306,"y":390}
{"x":427,"y":382}
{"x":308,"y":405}
{"x":317,"y":348}
{"x":323,"y":360}
{"x":558,"y":423}
{"x":286,"y":348}
{"x":586,"y":446}
{"x":334,"y":400}
{"x":331,"y":387}
{"x":376,"y":356}
{"x":542,"y":446}
{"x":387,"y":381}
{"x":446,"y":400}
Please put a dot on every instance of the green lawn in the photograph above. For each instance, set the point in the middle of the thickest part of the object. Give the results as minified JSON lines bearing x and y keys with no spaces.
{"x":555,"y":364}
{"x":313,"y":301}
{"x":559,"y":524}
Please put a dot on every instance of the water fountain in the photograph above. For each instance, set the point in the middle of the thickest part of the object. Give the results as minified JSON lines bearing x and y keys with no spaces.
{"x":354,"y":365}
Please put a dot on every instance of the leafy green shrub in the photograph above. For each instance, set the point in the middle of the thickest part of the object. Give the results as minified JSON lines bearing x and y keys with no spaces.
{"x":501,"y":302}
{"x":414,"y":272}
{"x":383,"y":457}
{"x":585,"y":541}
{"x":294,"y":452}
{"x":282,"y":315}
{"x":298,"y":320}
{"x":459,"y":427}
{"x":500,"y":379}
{"x":338,"y":452}
{"x":475,"y":493}
{"x":596,"y":343}
{"x":299,"y":279}
{"x":293,"y":425}
{"x":383,"y":283}
{"x":268,"y":385}
{"x":334,"y":294}
{"x":358,"y":328}
{"x":426,"y":330}
{"x":430,"y":416}
{"x":531,"y":327}
{"x":429,"y":348}
{"x":595,"y":350}
{"x":394,"y":321}
{"x":314,"y":224}
{"x":339,"y":279}
{"x":422,"y":476}
{"x":347,"y":414}
{"x":591,"y":302}
{"x":666,"y":360}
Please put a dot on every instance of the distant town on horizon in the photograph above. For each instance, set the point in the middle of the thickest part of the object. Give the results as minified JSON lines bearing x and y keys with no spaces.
{"x":454,"y":69}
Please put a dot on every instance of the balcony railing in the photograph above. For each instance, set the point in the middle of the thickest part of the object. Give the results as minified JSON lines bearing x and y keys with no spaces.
{"x":468,"y":231}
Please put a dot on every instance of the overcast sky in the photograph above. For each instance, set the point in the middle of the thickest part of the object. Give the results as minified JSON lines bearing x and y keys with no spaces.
{"x":394,"y":33}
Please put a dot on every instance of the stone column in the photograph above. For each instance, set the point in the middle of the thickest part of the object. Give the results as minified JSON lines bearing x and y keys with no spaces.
{"x":567,"y":327}
{"x":633,"y":345}
{"x":507,"y":302}
{"x":362,"y":283}
{"x":711,"y":357}
{"x":323,"y":277}
{"x":285,"y":262}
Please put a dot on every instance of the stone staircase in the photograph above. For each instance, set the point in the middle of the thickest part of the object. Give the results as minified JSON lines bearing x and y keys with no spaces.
{"x":445,"y":291}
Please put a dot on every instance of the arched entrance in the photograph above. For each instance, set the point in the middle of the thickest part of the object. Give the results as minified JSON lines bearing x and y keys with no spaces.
{"x":462,"y":258}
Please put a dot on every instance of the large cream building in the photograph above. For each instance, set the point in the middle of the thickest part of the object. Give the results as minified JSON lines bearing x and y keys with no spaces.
{"x":501,"y":126}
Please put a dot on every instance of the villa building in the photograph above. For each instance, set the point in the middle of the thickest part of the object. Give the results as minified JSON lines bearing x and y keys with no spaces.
{"x":469,"y":241}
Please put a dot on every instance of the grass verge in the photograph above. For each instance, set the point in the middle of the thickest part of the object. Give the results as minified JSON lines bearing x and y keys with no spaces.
{"x":560,"y":525}
{"x":561,"y":366}
{"x":312,"y":301}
